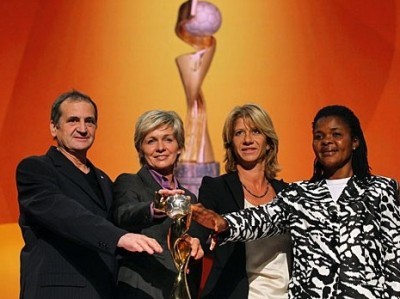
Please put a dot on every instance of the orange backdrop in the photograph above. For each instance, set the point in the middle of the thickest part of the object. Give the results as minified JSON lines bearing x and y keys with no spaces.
{"x":292,"y":57}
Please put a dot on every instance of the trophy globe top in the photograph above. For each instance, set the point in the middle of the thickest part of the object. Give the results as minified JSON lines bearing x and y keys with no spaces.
{"x":177,"y":206}
{"x":206,"y":21}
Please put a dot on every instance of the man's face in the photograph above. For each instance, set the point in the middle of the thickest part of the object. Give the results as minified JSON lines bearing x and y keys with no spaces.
{"x":76,"y":128}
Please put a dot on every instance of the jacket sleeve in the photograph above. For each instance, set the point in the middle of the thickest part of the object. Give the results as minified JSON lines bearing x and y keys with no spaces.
{"x":45,"y":205}
{"x":258,"y":222}
{"x":391,"y":239}
{"x":131,"y":210}
{"x":208,"y":197}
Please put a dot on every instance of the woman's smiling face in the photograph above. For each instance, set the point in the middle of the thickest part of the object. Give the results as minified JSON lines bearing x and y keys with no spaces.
{"x":161,"y":150}
{"x":333,"y":146}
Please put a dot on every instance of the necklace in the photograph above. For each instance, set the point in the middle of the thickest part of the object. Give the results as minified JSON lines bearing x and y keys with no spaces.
{"x":256,"y":196}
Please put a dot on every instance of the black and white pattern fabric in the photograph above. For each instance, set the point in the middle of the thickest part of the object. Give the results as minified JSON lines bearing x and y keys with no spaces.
{"x":349,"y":248}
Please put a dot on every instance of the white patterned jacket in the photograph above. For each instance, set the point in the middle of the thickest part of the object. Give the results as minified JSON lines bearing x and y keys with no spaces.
{"x":349,"y":248}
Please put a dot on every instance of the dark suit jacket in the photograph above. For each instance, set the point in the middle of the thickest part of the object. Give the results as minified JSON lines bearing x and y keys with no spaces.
{"x":69,"y":243}
{"x":149,"y":276}
{"x":228,"y":277}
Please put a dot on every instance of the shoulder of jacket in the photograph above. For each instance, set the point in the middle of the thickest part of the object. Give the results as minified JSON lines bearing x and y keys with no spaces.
{"x":34,"y":159}
{"x":220,"y":179}
{"x":126,"y":177}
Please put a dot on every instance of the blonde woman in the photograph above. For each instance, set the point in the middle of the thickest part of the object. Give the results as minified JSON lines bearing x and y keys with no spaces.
{"x":258,"y":269}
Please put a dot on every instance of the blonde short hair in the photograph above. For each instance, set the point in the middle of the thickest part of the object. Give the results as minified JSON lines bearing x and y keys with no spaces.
{"x":154,"y":119}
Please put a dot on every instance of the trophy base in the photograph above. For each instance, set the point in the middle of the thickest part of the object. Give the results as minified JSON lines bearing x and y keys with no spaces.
{"x":191,"y":174}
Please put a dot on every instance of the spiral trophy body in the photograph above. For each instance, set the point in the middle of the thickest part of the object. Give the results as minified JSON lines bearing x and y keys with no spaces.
{"x":196,"y":24}
{"x":177,"y":207}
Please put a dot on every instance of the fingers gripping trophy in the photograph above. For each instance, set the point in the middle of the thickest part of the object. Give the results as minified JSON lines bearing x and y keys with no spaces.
{"x":178,"y":208}
{"x":197,"y":22}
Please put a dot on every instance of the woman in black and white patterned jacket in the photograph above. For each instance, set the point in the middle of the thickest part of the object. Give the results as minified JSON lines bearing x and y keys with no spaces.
{"x":344,"y":222}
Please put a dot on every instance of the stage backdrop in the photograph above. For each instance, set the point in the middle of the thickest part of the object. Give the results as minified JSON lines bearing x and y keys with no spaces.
{"x":292,"y":57}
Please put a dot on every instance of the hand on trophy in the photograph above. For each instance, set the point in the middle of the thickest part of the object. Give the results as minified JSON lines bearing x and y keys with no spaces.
{"x":196,"y":251}
{"x":211,"y":220}
{"x":208,"y":218}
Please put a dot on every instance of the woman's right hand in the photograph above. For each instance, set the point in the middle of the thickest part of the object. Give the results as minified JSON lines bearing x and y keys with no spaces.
{"x":208,"y":218}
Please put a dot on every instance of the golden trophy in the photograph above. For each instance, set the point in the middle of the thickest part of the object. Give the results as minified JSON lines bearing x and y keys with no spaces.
{"x":178,"y":208}
{"x":196,"y":24}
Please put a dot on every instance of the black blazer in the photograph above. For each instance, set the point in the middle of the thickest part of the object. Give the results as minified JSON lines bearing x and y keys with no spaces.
{"x":228,"y":277}
{"x":69,"y":243}
{"x":148,"y":276}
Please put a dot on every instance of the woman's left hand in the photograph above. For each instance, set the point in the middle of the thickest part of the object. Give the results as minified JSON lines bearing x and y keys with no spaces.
{"x":196,"y":250}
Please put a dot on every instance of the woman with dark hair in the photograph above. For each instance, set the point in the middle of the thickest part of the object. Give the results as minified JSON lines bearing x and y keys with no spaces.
{"x":359,"y":161}
{"x":344,"y":222}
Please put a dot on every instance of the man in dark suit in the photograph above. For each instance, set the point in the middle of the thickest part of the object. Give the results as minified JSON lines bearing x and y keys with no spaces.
{"x":64,"y":203}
